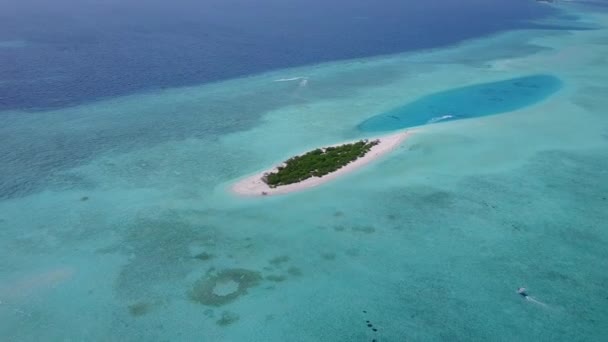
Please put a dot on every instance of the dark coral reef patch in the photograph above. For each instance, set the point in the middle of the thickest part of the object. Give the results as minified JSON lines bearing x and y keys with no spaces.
{"x":224,"y":287}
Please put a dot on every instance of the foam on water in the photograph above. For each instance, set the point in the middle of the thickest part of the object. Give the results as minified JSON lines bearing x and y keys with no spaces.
{"x":298,"y":78}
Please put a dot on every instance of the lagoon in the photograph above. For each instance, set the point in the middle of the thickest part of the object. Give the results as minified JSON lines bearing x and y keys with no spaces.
{"x":467,"y":102}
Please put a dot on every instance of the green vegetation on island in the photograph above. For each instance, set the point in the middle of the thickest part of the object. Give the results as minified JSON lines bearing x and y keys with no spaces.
{"x":317,"y":163}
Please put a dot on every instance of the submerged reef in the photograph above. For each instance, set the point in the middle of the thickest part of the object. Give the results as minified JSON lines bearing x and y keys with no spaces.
{"x":204,"y":256}
{"x":140,"y":308}
{"x":227,"y":318}
{"x":277,"y":261}
{"x":224,"y":287}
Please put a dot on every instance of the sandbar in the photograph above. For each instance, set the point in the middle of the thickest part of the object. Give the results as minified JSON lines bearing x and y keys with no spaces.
{"x":255,"y":186}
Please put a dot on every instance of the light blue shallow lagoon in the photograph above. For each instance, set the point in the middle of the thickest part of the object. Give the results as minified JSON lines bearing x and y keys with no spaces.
{"x":467,"y":102}
{"x":117,"y":222}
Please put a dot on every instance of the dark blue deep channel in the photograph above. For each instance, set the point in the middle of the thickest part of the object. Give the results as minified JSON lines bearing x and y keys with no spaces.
{"x":67,"y":52}
{"x":467,"y":102}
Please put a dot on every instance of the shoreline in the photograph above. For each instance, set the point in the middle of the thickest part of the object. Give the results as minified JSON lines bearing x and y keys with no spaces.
{"x":254,"y":186}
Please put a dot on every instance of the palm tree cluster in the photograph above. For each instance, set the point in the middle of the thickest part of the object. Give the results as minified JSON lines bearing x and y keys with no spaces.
{"x":318,"y":163}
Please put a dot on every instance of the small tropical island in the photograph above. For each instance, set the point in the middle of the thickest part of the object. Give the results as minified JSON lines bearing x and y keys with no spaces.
{"x":317,"y":163}
{"x":317,"y":166}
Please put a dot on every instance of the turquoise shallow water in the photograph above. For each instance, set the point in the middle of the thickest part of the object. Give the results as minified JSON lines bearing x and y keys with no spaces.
{"x":467,"y":102}
{"x":125,"y":231}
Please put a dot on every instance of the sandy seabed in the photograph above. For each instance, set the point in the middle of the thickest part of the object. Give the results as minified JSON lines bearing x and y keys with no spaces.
{"x":254,"y":186}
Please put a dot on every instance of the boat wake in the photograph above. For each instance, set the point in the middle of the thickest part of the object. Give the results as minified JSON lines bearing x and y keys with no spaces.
{"x":291,"y":79}
{"x":440,"y":118}
{"x":535,"y":301}
{"x":522,"y":292}
{"x":302,"y":84}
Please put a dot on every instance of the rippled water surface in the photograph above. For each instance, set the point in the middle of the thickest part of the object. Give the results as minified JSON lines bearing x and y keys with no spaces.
{"x":117,"y":224}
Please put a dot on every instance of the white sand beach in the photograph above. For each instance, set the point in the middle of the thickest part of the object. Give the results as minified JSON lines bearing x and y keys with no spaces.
{"x":254,"y":186}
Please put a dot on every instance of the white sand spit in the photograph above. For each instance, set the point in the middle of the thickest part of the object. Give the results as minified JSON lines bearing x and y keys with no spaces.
{"x":254,"y":186}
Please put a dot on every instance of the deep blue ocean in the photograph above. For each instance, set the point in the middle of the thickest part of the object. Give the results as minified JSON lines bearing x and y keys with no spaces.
{"x":67,"y":52}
